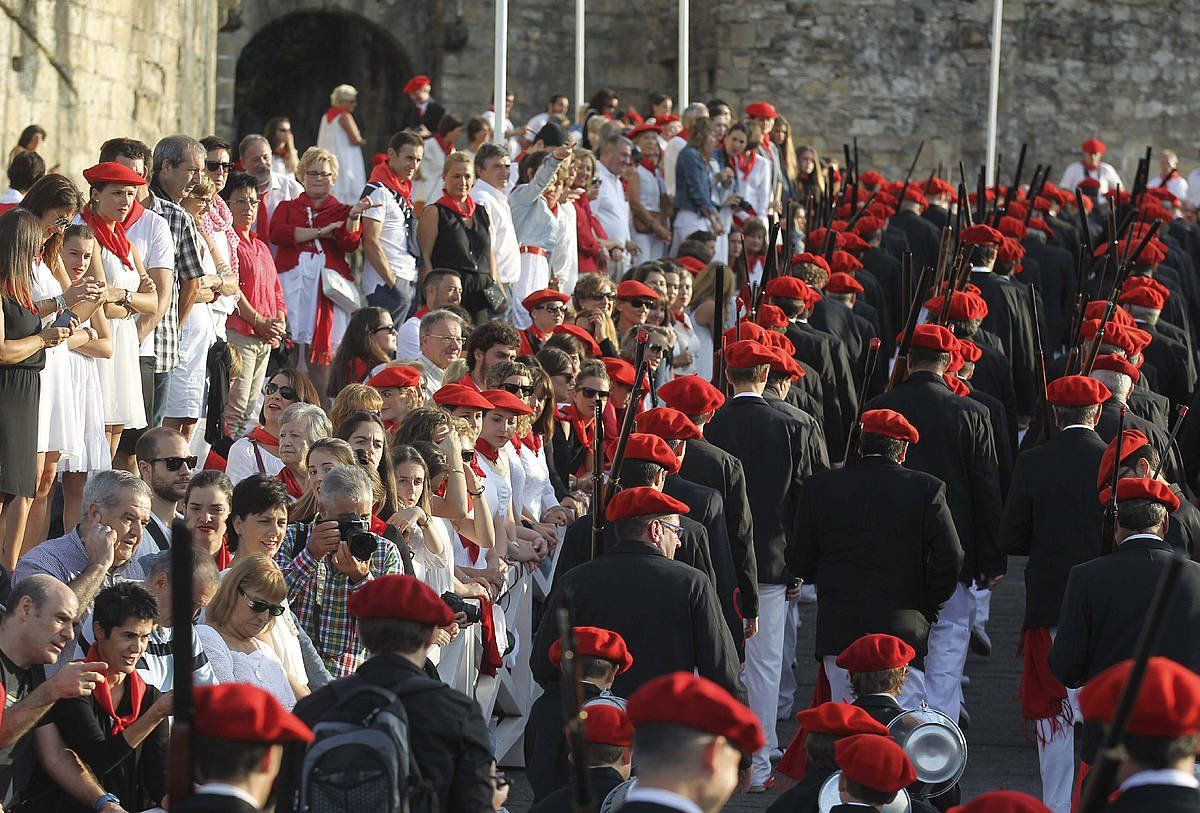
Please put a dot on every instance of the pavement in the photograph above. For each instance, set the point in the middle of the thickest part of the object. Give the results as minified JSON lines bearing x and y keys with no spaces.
{"x":999,"y":754}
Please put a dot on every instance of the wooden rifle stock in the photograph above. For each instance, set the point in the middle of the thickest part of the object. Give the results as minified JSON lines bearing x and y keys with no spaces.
{"x":614,"y":476}
{"x":868,"y":372}
{"x":862,"y":210}
{"x":1182,"y":412}
{"x":599,"y":500}
{"x":180,"y":774}
{"x":1108,"y":534}
{"x":584,"y":801}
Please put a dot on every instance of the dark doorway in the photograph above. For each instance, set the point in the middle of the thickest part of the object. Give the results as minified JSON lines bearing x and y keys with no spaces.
{"x":291,"y":65}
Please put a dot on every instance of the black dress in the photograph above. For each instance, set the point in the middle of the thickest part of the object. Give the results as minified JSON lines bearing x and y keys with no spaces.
{"x":20,"y":390}
{"x":466,"y":246}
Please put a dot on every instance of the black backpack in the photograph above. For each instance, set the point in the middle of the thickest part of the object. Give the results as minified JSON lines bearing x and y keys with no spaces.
{"x":362,"y":759}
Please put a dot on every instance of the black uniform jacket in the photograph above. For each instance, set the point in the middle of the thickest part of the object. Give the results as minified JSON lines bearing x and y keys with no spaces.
{"x":1159,"y":798}
{"x":1010,"y":319}
{"x":546,"y":764}
{"x":602,"y":781}
{"x":214,"y":803}
{"x":827,"y":355}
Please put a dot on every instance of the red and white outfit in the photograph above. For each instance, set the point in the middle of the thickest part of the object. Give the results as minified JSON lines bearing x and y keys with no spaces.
{"x":352,"y":174}
{"x":752,"y":181}
{"x":651,"y":188}
{"x":59,"y":427}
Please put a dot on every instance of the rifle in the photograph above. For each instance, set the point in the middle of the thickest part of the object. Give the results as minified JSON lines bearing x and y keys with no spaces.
{"x":964,"y":208}
{"x":1011,"y":194}
{"x":900,"y":368}
{"x":939,"y":272}
{"x":598,"y":497}
{"x":908,"y":175}
{"x":574,"y":714}
{"x":851,"y":167}
{"x":771,"y":262}
{"x":789,"y":237}
{"x":1085,"y":231}
{"x":1041,"y":187}
{"x":614,"y":474}
{"x":1108,"y":534}
{"x":1101,"y":779}
{"x":1047,"y":414}
{"x":981,"y":196}
{"x":719,"y":327}
{"x":868,"y":372}
{"x":861,"y":211}
{"x":1182,"y":411}
{"x":180,"y":774}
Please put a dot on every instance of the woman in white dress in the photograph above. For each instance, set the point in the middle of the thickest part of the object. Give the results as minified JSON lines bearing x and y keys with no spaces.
{"x":704,"y":313}
{"x":427,"y":185}
{"x":689,"y":346}
{"x":130,"y":292}
{"x":339,"y":134}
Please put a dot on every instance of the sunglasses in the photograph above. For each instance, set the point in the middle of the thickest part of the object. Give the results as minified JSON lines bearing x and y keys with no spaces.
{"x":174,"y":463}
{"x":641,"y":304}
{"x":657,"y":348}
{"x":385,"y":329}
{"x":567,"y":378}
{"x":257,"y":607}
{"x":592,"y":392}
{"x":213,"y":166}
{"x":500,"y":780}
{"x":286,"y":392}
{"x":62,"y":223}
{"x":606,"y":295}
{"x":517,"y":389}
{"x":555,"y":309}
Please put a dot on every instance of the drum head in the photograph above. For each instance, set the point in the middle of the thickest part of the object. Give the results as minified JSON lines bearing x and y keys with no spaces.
{"x":829,"y":797}
{"x":935,"y":746}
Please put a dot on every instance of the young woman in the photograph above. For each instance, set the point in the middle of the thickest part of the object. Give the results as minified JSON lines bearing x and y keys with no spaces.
{"x":647,"y":194}
{"x":216,"y":227}
{"x":810,"y":180}
{"x":300,"y":426}
{"x":703,"y":308}
{"x":781,"y":137}
{"x":206,"y":507}
{"x":438,"y":149}
{"x":370,"y":341}
{"x":338,"y":133}
{"x":694,"y":209}
{"x":258,"y":451}
{"x":284,"y":157}
{"x":479,"y":132}
{"x":368,"y":437}
{"x":595,"y":295}
{"x":689,"y":347}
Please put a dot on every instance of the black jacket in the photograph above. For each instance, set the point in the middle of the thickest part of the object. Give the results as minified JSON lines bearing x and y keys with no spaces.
{"x":413,"y":118}
{"x":1010,"y":319}
{"x":602,"y":781}
{"x":827,"y":354}
{"x":878,"y":541}
{"x":923,"y":238}
{"x":802,"y":797}
{"x":449,"y":737}
{"x":1157,"y":798}
{"x":883,"y":708}
{"x":546,"y":765}
{"x":1053,"y":517}
{"x":214,"y":803}
{"x":816,"y":457}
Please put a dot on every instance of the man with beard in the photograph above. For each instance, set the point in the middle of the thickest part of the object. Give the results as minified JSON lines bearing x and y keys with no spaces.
{"x":166,"y":465}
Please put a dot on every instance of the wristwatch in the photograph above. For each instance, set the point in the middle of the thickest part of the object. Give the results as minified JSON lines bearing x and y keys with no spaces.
{"x":106,"y":799}
{"x":127,"y":299}
{"x":60,"y":303}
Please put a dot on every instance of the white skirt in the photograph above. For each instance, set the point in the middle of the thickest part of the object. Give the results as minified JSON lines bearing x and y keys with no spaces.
{"x":535,"y":276}
{"x":186,"y":387}
{"x":121,"y":378}
{"x":59,"y":429}
{"x":652,"y":248}
{"x":301,"y":286}
{"x":87,"y":402}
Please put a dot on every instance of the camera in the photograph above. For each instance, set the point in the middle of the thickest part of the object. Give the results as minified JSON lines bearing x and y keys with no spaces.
{"x":744,"y":205}
{"x":468,"y":455}
{"x":355,"y":532}
{"x":458,"y":604}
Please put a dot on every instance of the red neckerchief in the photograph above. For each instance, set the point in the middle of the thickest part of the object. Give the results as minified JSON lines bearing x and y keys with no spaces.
{"x":377,"y":525}
{"x":464,"y":210}
{"x":531,"y":441}
{"x":421,"y":311}
{"x":446,"y":146}
{"x":222,"y":557}
{"x":484,"y":448}
{"x":333,"y":112}
{"x":134,"y":685}
{"x":468,"y":545}
{"x":135,"y":214}
{"x":110,"y":235}
{"x":294,"y":489}
{"x":650,"y":165}
{"x":264,"y":438}
{"x":359,"y":370}
{"x":684,"y":135}
{"x":680,"y":316}
{"x":382,"y":173}
{"x":580,"y":426}
{"x":744,"y":162}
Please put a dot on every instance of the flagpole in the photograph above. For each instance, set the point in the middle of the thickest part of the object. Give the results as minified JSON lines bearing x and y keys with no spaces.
{"x":579,"y":51}
{"x":994,"y":90}
{"x":500,"y":71}
{"x":682,"y":101}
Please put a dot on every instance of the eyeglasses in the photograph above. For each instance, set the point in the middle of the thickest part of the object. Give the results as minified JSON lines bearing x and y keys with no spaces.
{"x":554,"y":309}
{"x":257,"y":607}
{"x":675,"y":529}
{"x":518,"y":389}
{"x":213,"y":166}
{"x":385,"y":329}
{"x":568,"y":378}
{"x":592,"y":392}
{"x":605,"y":295}
{"x":285,"y":392}
{"x":315,"y":174}
{"x":641,"y":304}
{"x":174,"y":463}
{"x":657,"y":348}
{"x":450,"y":339}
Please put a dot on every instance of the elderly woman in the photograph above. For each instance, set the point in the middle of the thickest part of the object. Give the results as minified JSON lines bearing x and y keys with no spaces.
{"x":455,"y":233}
{"x":258,"y":451}
{"x":315,"y":232}
{"x":339,"y":135}
{"x":300,"y":426}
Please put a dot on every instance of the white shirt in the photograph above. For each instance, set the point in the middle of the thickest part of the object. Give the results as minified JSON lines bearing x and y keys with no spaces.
{"x":1167,"y":776}
{"x":504,"y":234}
{"x":152,"y":236}
{"x":670,"y":155}
{"x":428,"y":187}
{"x":408,"y":339}
{"x":1177,"y":186}
{"x":1193,"y":182}
{"x":11,"y":195}
{"x":534,"y":125}
{"x":281,"y":188}
{"x":513,"y":144}
{"x":662,"y":797}
{"x":1076,"y":172}
{"x":564,"y":257}
{"x":610,"y":206}
{"x":434,"y":375}
{"x":242,"y":462}
{"x":396,"y":238}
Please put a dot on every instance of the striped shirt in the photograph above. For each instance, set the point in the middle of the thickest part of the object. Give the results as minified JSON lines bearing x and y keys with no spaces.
{"x":187,"y":267}
{"x":157,"y":666}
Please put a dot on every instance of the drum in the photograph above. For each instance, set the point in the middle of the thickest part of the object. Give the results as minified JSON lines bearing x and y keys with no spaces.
{"x":829,"y":797}
{"x":935,"y":746}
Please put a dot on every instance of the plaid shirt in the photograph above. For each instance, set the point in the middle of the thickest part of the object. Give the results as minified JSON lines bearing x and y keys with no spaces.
{"x":187,"y":267}
{"x":319,"y":594}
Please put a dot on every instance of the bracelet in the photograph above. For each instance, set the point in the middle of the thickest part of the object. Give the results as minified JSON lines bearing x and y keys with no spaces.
{"x":106,"y":799}
{"x":457,"y":471}
{"x":475,"y":493}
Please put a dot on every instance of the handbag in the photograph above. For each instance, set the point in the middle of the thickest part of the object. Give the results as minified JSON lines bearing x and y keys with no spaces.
{"x":494,"y":296}
{"x":342,"y":292}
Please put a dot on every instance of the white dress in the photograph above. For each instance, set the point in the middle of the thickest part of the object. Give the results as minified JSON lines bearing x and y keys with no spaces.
{"x":538,"y":494}
{"x":688,"y":338}
{"x":121,"y":375}
{"x":352,"y":175}
{"x":260,"y":668}
{"x":59,"y":429}
{"x":703,"y":356}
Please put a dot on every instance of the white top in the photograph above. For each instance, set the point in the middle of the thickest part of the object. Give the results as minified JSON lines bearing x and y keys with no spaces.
{"x":1076,"y":172}
{"x":664,"y":798}
{"x":260,"y":668}
{"x":227,"y":303}
{"x":282,"y":187}
{"x":242,"y":462}
{"x":497,"y":487}
{"x":535,"y":124}
{"x":1193,"y":182}
{"x":756,"y":186}
{"x":1166,"y":776}
{"x":408,"y":339}
{"x":651,"y":188}
{"x":152,"y":237}
{"x":670,"y":156}
{"x":352,"y":174}
{"x":514,"y":145}
{"x":686,"y":338}
{"x":1177,"y":186}
{"x":433,"y":375}
{"x":434,"y":570}
{"x":396,"y":237}
{"x":504,"y":234}
{"x":538,"y":494}
{"x":11,"y":195}
{"x":428,"y":187}
{"x":564,"y":257}
{"x":610,"y":206}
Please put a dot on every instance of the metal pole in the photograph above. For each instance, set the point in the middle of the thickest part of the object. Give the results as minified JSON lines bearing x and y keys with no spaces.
{"x":682,"y":101}
{"x":500,"y":70}
{"x":994,"y":90}
{"x":579,"y":51}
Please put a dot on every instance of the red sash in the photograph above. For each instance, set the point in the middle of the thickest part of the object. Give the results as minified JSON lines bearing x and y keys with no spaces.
{"x":1042,"y":696}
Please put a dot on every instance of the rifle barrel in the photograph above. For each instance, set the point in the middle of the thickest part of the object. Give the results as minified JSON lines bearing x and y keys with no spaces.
{"x":180,"y":773}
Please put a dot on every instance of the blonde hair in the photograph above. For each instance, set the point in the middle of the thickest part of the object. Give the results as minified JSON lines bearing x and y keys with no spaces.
{"x":458,"y":157}
{"x":343,"y":93}
{"x":354,"y":398}
{"x":704,"y":289}
{"x":203,"y":188}
{"x":256,"y":572}
{"x":315,"y":155}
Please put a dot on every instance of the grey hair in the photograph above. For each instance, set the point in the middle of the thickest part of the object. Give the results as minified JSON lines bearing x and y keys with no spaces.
{"x":347,"y":481}
{"x":253,"y":138}
{"x":1118,"y":384}
{"x":315,"y":421}
{"x":486,"y":153}
{"x":106,"y":489}
{"x":695,"y":110}
{"x":1148,"y":315}
{"x":614,"y":141}
{"x":38,"y":587}
{"x":175,"y":148}
{"x":204,"y":569}
{"x":429,"y":320}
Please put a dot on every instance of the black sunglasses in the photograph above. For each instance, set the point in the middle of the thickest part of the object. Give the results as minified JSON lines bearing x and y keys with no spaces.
{"x":213,"y":166}
{"x":257,"y":606}
{"x":385,"y":328}
{"x":285,"y":391}
{"x":174,"y":463}
{"x":517,"y":389}
{"x":552,"y":308}
{"x":500,"y":780}
{"x":641,"y":304}
{"x":592,"y":392}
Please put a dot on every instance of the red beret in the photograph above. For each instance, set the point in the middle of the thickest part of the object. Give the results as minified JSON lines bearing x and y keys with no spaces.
{"x":1096,"y":309}
{"x":1018,"y":210}
{"x":1043,"y":204}
{"x":746,"y":353}
{"x":867,"y":224}
{"x":460,"y":395}
{"x":632,"y":289}
{"x":1167,"y":705}
{"x":913,"y":195}
{"x":505,"y":400}
{"x":771,"y":316}
{"x":642,"y":501}
{"x":956,"y":384}
{"x":934,"y":337}
{"x":670,"y":118}
{"x":666,"y":423}
{"x":1117,"y":364}
{"x":853,"y":242}
{"x":1131,"y":441}
{"x":842,"y":283}
{"x":875,"y":761}
{"x":1143,"y":296}
{"x":839,"y":719}
{"x":1076,"y":391}
{"x":542,"y":297}
{"x":643,"y":128}
{"x":872,"y":179}
{"x":1010,"y":251}
{"x":1011,"y":227}
{"x":1089,"y":186}
{"x":417,"y":83}
{"x":761,"y":110}
{"x":845,"y":263}
{"x":400,"y":597}
{"x":620,"y":371}
{"x":398,"y":375}
{"x":980,"y":235}
{"x":1152,"y":209}
{"x":685,"y":699}
{"x":245,"y":713}
{"x":1143,"y":488}
{"x":1002,"y":801}
{"x":969,"y":350}
{"x":782,"y":362}
{"x":749,"y":331}
{"x":807,"y":257}
{"x":691,"y":395}
{"x":791,"y":287}
{"x":773,"y":338}
{"x":648,"y":448}
{"x":693,"y":264}
{"x":1119,"y":196}
{"x":595,"y":643}
{"x":112,"y":172}
{"x":605,"y":724}
{"x":1146,"y":282}
{"x":963,"y":306}
{"x":889,"y":423}
{"x":1093,"y":146}
{"x":877,"y":651}
{"x":589,"y":342}
{"x":1116,"y":334}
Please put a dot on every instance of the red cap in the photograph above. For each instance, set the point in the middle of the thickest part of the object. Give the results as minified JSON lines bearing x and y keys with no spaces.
{"x":666,"y":423}
{"x":643,"y":128}
{"x":112,"y":172}
{"x":773,"y":338}
{"x":670,"y":118}
{"x":1093,"y":146}
{"x":460,"y":395}
{"x":872,"y":179}
{"x":969,"y":350}
{"x":839,"y":719}
{"x":934,"y":337}
{"x":782,"y":362}
{"x":1117,"y":365}
{"x":1018,"y":210}
{"x":1002,"y":801}
{"x":691,"y":395}
{"x":852,"y":242}
{"x":1167,"y":705}
{"x":761,"y":110}
{"x":1146,"y":282}
{"x":980,"y":235}
{"x":889,"y":423}
{"x":842,"y":283}
{"x":595,"y":643}
{"x":605,"y":724}
{"x":746,"y":353}
{"x":505,"y":400}
{"x":1010,"y":251}
{"x":542,"y":297}
{"x":648,"y":448}
{"x":693,"y":264}
{"x":867,"y":224}
{"x":632,"y":289}
{"x":876,"y":652}
{"x":685,"y":699}
{"x":1089,"y":186}
{"x":875,"y":761}
{"x":1011,"y":227}
{"x":1131,"y":441}
{"x":806,"y":257}
{"x":956,"y":384}
{"x":398,"y":375}
{"x":1096,"y":309}
{"x":1143,"y":488}
{"x":245,"y":713}
{"x":790,"y":287}
{"x":964,"y":306}
{"x":1143,"y":296}
{"x":620,"y":371}
{"x":589,"y":342}
{"x":400,"y":597}
{"x":1076,"y":391}
{"x":845,"y":263}
{"x":418,"y":82}
{"x":642,"y":501}
{"x":913,"y":195}
{"x":749,"y":331}
{"x":771,"y":316}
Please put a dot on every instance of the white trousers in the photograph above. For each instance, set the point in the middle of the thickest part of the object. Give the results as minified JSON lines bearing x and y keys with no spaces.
{"x":651,"y":247}
{"x":535,"y":276}
{"x":1056,"y":754}
{"x":760,"y":673}
{"x":948,"y":641}
{"x":686,"y":222}
{"x":787,"y":675}
{"x":983,"y":608}
{"x":912,"y":694}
